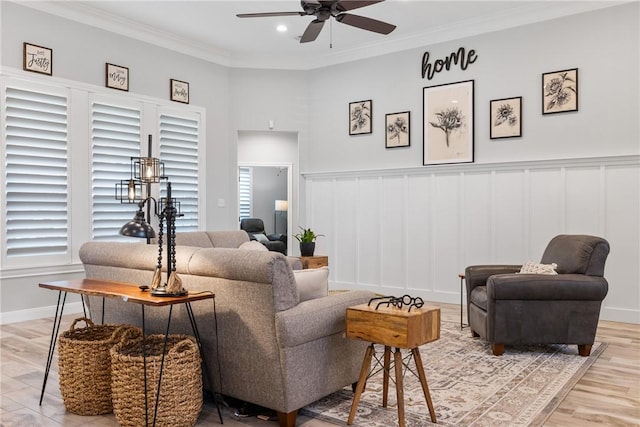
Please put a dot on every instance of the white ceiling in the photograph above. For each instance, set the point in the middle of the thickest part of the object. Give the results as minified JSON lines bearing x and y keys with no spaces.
{"x":211,"y":30}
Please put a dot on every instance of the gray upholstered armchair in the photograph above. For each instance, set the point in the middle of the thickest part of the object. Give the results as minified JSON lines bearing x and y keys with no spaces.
{"x":506,"y":307}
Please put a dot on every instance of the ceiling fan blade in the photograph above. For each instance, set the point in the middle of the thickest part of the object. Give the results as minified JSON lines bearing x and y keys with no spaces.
{"x":312,"y":31}
{"x":365,"y":23}
{"x":346,"y":5}
{"x":267,"y":14}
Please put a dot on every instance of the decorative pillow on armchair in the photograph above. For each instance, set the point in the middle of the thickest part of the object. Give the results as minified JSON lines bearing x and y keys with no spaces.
{"x":531,"y":267}
{"x":312,"y":283}
{"x":260,"y":238}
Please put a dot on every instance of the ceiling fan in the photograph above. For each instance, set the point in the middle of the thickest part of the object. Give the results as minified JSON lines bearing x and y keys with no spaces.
{"x":325,"y":9}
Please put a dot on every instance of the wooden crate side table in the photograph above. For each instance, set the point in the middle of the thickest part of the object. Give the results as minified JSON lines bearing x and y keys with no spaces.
{"x":393,"y":327}
{"x":314,"y":261}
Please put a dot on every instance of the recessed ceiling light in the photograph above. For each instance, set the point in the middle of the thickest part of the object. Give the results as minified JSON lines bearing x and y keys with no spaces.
{"x":281,"y":28}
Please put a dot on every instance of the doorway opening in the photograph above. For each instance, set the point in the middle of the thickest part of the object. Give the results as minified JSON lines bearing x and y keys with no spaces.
{"x":266,"y":187}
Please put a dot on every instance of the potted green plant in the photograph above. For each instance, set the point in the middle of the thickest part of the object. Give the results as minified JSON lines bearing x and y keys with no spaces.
{"x":307,"y":239}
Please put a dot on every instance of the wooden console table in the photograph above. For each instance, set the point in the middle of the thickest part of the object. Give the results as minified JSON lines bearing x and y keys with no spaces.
{"x":129,"y":293}
{"x":392,"y":327}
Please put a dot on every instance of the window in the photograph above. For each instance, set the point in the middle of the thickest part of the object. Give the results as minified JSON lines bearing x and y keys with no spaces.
{"x":115,"y":138}
{"x":63,"y":149}
{"x":179,"y":153}
{"x":35,"y":174}
{"x":245,"y":183}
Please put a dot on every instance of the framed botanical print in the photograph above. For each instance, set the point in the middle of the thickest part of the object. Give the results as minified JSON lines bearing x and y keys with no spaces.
{"x":360,"y":117}
{"x":560,"y":91}
{"x":505,"y":117}
{"x":397,"y":130}
{"x":117,"y":77}
{"x":448,"y":118}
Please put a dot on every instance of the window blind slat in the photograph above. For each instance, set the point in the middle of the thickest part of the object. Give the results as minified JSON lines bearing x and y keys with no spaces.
{"x":115,"y":138}
{"x":35,"y":173}
{"x":179,"y":138}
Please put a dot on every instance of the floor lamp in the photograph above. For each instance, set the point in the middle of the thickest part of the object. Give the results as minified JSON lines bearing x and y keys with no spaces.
{"x":281,"y":206}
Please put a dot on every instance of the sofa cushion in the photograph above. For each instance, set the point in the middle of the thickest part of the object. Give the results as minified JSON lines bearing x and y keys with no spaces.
{"x":253,"y":246}
{"x":227,"y":238}
{"x":198,"y":239}
{"x":312,"y":283}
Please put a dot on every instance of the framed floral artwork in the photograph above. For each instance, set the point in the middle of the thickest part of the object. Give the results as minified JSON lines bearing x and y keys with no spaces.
{"x":179,"y":91}
{"x":117,"y":77}
{"x":397,"y":130}
{"x":505,"y":118}
{"x":360,"y":117}
{"x":560,"y":91}
{"x":448,"y":122}
{"x":36,"y":58}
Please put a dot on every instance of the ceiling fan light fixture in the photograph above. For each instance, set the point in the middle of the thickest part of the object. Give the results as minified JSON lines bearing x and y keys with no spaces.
{"x":324,"y":10}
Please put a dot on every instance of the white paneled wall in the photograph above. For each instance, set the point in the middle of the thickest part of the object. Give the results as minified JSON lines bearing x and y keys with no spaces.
{"x":413,"y":230}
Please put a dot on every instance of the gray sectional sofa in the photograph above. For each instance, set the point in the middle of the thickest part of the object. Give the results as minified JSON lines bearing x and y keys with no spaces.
{"x":261,"y":343}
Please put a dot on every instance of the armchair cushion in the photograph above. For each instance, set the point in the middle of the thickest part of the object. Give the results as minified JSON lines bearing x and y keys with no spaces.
{"x":577,"y":254}
{"x":545,"y":287}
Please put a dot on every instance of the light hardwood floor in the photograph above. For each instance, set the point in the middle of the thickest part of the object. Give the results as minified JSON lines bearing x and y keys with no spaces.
{"x":608,"y":394}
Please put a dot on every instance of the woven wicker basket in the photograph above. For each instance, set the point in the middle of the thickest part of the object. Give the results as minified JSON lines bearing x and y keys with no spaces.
{"x":181,"y":390}
{"x":84,"y":365}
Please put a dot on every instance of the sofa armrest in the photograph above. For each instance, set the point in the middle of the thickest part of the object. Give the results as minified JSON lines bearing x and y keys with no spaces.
{"x":541,"y":287}
{"x":477,"y":275}
{"x":317,"y":318}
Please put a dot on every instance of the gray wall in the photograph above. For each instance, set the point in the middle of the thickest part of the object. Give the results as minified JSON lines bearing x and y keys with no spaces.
{"x":603,"y":45}
{"x":80,"y":53}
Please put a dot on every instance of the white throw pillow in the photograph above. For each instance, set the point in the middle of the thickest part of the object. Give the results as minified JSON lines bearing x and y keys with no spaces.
{"x":253,"y":246}
{"x":312,"y":283}
{"x":261,"y":238}
{"x":531,"y":267}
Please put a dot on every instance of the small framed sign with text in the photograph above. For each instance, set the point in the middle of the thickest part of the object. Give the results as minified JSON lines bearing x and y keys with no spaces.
{"x":179,"y":91}
{"x":117,"y":77}
{"x":37,"y":59}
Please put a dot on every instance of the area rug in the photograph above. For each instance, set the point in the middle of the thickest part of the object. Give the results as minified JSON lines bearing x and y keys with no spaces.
{"x":469,"y":386}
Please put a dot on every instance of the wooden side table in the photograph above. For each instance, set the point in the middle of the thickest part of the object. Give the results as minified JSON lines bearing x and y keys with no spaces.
{"x":393,"y":327}
{"x":314,"y":261}
{"x":132,"y":294}
{"x":462,"y":278}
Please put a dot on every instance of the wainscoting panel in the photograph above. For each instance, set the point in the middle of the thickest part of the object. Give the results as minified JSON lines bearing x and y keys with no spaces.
{"x":413,"y":230}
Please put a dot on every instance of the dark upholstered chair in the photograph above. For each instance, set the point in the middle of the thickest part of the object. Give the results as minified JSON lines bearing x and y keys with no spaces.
{"x":255,"y":229}
{"x":505,"y":307}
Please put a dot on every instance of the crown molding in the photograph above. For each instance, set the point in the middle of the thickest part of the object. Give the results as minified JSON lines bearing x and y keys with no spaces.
{"x":528,"y":13}
{"x":80,"y":12}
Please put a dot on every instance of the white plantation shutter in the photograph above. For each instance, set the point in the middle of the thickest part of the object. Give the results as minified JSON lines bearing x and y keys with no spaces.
{"x":35,"y":170}
{"x":179,"y":152}
{"x":244,"y":190}
{"x":115,"y":138}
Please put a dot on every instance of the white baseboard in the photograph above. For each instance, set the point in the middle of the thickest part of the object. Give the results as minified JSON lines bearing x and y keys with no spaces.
{"x":620,"y":315}
{"x":38,"y":313}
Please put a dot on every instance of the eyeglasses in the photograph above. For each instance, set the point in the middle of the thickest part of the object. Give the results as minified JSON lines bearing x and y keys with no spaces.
{"x":398,"y":302}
